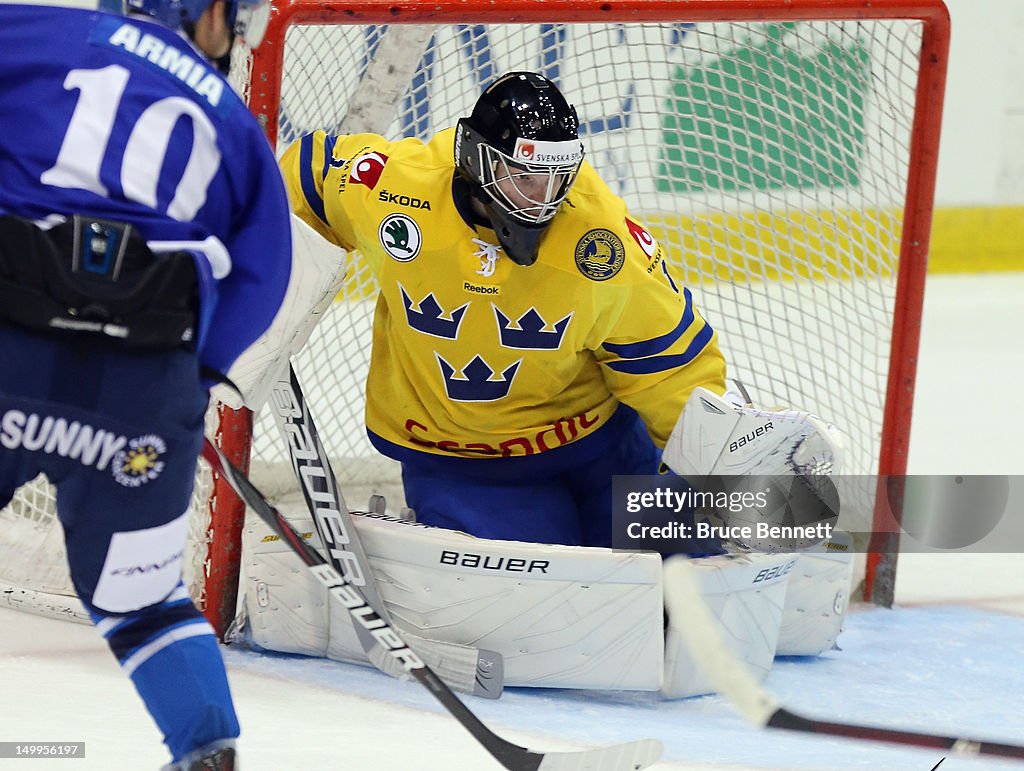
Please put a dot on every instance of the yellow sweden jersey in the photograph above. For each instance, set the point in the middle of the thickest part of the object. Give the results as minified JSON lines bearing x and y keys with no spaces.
{"x":474,"y":355}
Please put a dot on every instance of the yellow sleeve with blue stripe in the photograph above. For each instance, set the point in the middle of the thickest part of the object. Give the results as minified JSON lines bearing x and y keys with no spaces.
{"x":306,"y":165}
{"x":656,"y":373}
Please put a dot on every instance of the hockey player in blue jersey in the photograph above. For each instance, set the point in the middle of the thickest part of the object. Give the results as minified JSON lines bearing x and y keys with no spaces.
{"x":144,"y":244}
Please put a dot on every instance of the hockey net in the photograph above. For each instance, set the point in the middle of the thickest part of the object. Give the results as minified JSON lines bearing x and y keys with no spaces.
{"x":782,"y":153}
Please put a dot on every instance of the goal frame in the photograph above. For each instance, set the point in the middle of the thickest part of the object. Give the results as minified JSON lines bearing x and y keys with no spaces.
{"x":235,"y":432}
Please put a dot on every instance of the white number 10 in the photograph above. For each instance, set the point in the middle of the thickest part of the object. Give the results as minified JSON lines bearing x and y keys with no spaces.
{"x":88,"y":136}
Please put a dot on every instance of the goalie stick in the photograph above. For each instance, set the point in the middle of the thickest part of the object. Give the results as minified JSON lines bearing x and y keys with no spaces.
{"x":630,"y":756}
{"x":730,"y":677}
{"x":464,"y":668}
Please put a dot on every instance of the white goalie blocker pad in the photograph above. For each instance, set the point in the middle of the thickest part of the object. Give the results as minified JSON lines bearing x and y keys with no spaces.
{"x":318,"y":269}
{"x":719,"y":435}
{"x":561,"y":616}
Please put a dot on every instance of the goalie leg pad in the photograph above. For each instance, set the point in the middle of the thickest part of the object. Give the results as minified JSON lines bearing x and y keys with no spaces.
{"x":817,"y":598}
{"x":561,"y":616}
{"x":746,"y":594}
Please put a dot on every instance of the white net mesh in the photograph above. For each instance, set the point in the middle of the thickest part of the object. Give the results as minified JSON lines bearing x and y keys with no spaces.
{"x":771,"y":159}
{"x":33,"y":566}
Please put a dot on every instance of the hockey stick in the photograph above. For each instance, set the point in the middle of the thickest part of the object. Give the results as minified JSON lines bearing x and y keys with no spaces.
{"x":395,"y":57}
{"x":630,"y":756}
{"x":464,"y":668}
{"x":756,"y":704}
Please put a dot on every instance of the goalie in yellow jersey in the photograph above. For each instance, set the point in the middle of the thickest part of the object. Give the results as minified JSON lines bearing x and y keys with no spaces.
{"x":530,"y":340}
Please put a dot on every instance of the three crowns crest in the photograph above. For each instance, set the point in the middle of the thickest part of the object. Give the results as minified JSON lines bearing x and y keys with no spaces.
{"x":475,"y":384}
{"x":528,"y":332}
{"x":430,"y":318}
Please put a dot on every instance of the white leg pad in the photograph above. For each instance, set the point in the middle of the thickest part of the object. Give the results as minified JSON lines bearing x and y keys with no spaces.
{"x":817,"y":598}
{"x":561,"y":616}
{"x":746,"y":594}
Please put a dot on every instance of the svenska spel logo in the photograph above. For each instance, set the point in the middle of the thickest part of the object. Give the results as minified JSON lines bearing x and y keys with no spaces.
{"x":366,"y":169}
{"x":524,"y":151}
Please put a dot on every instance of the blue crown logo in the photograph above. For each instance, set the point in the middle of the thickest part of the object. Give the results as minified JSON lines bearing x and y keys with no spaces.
{"x":430,"y":318}
{"x":475,"y":383}
{"x":529,"y":332}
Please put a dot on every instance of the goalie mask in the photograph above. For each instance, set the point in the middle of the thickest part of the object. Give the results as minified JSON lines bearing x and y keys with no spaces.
{"x":520,"y":150}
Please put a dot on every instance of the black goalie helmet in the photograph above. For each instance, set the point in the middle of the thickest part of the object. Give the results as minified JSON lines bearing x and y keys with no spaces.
{"x":520,"y":150}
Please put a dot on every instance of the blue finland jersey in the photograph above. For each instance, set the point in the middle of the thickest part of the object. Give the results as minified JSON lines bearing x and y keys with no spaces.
{"x":122,"y":119}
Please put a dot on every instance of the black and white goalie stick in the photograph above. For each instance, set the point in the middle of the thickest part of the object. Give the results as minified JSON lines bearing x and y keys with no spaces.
{"x":730,"y":677}
{"x":462,"y":667}
{"x":630,"y":756}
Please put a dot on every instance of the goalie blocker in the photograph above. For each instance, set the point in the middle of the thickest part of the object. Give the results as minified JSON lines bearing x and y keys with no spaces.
{"x":318,"y":270}
{"x":724,"y":441}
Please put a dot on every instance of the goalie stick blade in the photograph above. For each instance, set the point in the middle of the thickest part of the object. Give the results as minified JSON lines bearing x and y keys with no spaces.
{"x":477,"y":671}
{"x":468,"y":670}
{"x":619,"y":757}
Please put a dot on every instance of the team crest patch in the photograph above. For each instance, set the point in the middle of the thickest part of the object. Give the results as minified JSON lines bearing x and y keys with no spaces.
{"x":140,"y":461}
{"x":600,"y":254}
{"x":400,"y":236}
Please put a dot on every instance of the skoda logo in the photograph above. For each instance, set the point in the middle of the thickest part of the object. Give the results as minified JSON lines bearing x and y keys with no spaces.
{"x":400,"y":236}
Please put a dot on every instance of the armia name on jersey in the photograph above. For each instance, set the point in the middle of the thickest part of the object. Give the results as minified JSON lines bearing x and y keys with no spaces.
{"x":189,"y":70}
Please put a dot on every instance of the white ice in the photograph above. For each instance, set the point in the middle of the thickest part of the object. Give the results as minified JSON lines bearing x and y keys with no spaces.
{"x":948,"y":659}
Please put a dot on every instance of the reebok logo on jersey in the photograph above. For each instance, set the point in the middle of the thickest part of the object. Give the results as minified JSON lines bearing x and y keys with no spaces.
{"x":481,"y":288}
{"x":74,"y":440}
